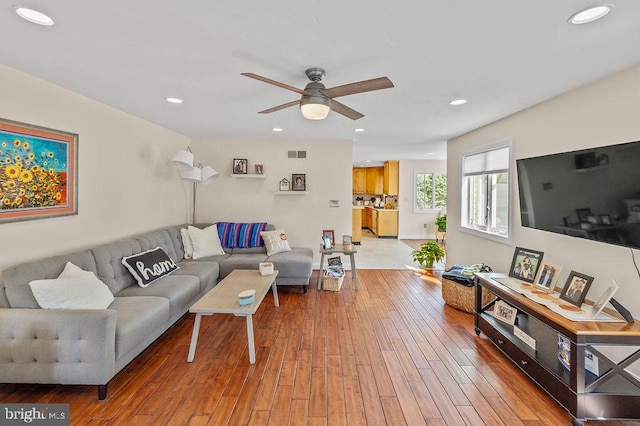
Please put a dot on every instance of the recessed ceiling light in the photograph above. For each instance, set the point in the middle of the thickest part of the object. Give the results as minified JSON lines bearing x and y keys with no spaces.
{"x":34,"y":16}
{"x":174,"y":100}
{"x":457,"y":102}
{"x":277,"y":129}
{"x":431,"y":153}
{"x":368,"y":161}
{"x":590,"y":15}
{"x":358,"y":130}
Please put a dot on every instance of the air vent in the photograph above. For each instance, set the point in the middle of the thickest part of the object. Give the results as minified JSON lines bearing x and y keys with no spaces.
{"x":296,"y":154}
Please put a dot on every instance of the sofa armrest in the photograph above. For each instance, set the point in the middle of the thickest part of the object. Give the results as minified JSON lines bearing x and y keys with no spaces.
{"x":57,"y":346}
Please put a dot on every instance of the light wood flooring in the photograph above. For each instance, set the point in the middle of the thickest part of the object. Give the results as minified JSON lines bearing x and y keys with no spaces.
{"x":391,"y":353}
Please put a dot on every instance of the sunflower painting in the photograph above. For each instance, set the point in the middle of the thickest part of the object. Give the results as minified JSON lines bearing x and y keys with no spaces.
{"x":38,"y":172}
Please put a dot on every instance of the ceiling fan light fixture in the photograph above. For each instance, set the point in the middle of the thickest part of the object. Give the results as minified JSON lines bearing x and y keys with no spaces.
{"x":315,"y":107}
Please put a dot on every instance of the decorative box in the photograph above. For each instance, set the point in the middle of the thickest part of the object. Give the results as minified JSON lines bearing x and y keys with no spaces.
{"x":247,"y":297}
{"x":266,"y":268}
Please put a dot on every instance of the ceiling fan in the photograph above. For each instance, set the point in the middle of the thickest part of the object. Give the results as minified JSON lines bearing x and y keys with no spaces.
{"x":317,"y":100}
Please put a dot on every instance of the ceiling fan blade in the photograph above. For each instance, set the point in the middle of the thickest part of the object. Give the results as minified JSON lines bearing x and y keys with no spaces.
{"x":345,"y":110}
{"x":275,"y":83}
{"x":359,"y":87}
{"x":279,"y":107}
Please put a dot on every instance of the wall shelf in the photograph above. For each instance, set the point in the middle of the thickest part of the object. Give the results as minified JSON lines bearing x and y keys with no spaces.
{"x":248,"y":176}
{"x":289,"y":192}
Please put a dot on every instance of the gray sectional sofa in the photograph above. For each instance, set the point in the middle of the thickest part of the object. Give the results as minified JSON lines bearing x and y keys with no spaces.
{"x":89,"y":346}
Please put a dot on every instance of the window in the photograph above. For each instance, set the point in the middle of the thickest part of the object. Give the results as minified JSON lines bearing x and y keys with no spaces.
{"x":430,"y":191}
{"x":486,"y":193}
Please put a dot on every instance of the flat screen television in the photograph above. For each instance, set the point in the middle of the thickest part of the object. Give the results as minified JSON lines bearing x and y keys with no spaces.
{"x":592,"y":193}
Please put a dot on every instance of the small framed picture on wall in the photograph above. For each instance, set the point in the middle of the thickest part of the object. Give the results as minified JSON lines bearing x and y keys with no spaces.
{"x":239,"y":166}
{"x":299,"y":182}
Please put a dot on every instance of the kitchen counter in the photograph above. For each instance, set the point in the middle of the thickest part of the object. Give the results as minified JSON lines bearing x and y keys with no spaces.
{"x":380,"y":209}
{"x":382,"y":222}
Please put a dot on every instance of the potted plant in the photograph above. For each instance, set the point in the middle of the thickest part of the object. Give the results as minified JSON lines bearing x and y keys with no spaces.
{"x":441,"y":227}
{"x":429,"y":253}
{"x":441,"y":223}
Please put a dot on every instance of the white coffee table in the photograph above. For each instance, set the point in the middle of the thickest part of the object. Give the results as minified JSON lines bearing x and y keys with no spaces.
{"x":223,"y":299}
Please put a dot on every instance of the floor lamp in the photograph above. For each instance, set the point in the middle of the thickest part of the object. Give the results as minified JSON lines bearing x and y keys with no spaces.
{"x":183,"y":161}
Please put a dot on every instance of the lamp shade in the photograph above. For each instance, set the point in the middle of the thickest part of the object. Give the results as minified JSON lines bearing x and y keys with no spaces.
{"x":183,"y":160}
{"x":315,"y":107}
{"x":193,"y":175}
{"x":208,"y":175}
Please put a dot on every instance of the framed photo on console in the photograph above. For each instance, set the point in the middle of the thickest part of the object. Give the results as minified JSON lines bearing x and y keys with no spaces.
{"x":576,"y":287}
{"x":505,"y":312}
{"x":547,"y":278}
{"x":525,"y":264}
{"x":330,"y":234}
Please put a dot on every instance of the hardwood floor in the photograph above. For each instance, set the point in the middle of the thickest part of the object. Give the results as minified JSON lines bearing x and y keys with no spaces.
{"x":414,"y":244}
{"x":390,"y":353}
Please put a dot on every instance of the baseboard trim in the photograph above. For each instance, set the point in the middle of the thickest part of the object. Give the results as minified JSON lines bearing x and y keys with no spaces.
{"x":416,"y":237}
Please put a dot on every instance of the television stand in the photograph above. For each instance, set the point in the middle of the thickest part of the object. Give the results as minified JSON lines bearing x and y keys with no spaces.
{"x":611,"y":392}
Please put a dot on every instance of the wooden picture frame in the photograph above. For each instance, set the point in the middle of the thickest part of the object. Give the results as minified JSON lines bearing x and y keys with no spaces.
{"x":505,"y":312}
{"x":576,"y":287}
{"x":525,"y":264}
{"x":39,"y":172}
{"x":239,"y":166}
{"x":329,"y":233}
{"x":298,"y":182}
{"x":547,"y":277}
{"x":259,"y":168}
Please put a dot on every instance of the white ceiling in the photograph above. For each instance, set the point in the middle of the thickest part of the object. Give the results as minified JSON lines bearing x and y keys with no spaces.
{"x":501,"y":55}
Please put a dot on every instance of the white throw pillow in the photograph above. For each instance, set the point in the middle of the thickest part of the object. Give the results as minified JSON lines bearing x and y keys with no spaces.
{"x":187,"y":243}
{"x":73,"y":289}
{"x":206,"y":242}
{"x":71,"y":270}
{"x":275,"y":241}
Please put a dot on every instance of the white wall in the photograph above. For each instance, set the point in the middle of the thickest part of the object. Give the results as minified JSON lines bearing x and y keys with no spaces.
{"x":304,"y":217}
{"x":125,"y":183}
{"x":602,"y":113}
{"x":410,"y":224}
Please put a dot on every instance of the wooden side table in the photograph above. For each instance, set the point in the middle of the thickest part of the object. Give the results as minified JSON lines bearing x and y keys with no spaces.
{"x":350,"y":250}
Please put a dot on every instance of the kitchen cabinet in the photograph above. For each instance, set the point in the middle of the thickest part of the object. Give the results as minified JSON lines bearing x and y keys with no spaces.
{"x":359,"y":180}
{"x":356,"y":225}
{"x":366,"y":218}
{"x":387,"y":225}
{"x":374,"y":222}
{"x":375,"y":175}
{"x":390,"y":181}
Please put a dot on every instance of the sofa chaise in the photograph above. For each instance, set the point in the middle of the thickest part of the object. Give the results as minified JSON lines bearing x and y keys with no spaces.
{"x":89,"y":346}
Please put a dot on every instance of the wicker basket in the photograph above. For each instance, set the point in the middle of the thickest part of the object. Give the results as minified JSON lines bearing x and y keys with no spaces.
{"x":462,"y":297}
{"x":332,"y":283}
